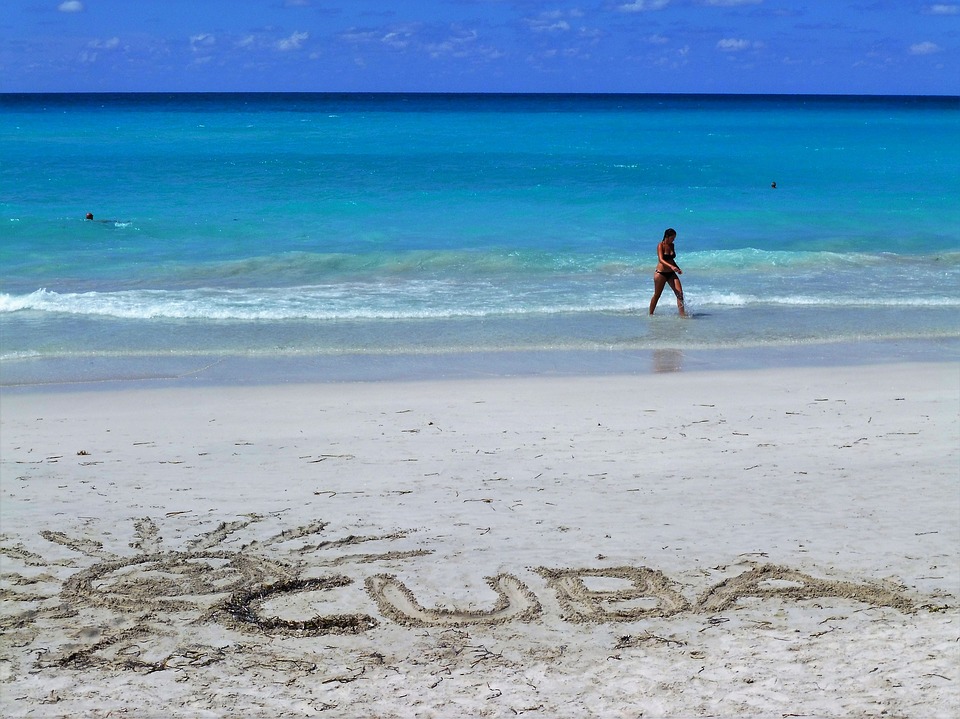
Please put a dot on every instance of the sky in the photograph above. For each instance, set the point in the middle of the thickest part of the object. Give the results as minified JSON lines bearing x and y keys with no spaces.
{"x":874,"y":47}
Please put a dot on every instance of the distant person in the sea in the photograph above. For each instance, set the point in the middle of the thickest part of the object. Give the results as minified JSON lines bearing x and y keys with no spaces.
{"x":773,"y":185}
{"x":667,"y":272}
{"x":89,"y":216}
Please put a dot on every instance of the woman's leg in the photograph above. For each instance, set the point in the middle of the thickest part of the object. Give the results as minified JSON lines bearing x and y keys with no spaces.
{"x":659,"y":281}
{"x":678,"y":291}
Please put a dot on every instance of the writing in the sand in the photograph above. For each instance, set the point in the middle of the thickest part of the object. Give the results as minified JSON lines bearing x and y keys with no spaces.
{"x":250,"y":591}
{"x":614,"y":594}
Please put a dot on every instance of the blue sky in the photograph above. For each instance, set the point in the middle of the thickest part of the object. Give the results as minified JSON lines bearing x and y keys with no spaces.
{"x":724,"y":46}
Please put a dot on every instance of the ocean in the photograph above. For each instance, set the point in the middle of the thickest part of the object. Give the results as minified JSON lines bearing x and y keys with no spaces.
{"x":335,"y":236}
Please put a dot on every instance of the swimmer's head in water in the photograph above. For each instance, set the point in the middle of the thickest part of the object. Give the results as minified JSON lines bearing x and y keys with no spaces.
{"x":89,"y":215}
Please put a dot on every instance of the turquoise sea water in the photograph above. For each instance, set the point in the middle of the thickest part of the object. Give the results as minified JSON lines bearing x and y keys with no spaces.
{"x":364,"y":226}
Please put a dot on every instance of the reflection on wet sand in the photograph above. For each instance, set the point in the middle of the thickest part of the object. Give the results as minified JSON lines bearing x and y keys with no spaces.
{"x":667,"y":360}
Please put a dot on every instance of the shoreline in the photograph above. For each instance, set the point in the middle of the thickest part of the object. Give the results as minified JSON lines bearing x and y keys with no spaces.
{"x":68,"y":374}
{"x":749,"y":542}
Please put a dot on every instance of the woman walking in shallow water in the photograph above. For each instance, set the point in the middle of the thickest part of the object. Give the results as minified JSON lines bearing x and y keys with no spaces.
{"x":667,"y":272}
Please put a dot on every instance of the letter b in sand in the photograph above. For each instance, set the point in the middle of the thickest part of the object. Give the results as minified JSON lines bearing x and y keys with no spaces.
{"x":647,"y":594}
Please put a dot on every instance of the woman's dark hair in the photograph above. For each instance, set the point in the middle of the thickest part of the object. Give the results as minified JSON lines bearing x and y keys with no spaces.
{"x":669,"y":232}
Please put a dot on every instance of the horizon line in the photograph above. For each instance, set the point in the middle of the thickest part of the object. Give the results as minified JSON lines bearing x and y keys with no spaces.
{"x":473,"y":93}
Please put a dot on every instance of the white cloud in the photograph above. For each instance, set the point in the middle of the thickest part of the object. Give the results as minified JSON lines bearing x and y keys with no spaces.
{"x":94,"y":47}
{"x":465,"y":43}
{"x":358,"y":36}
{"x":400,"y":37}
{"x":293,"y":42}
{"x":457,"y":45}
{"x":732,"y":44}
{"x":201,"y":41}
{"x":642,"y":5}
{"x":924,"y":48}
{"x":70,"y":6}
{"x":491,"y":53}
{"x":558,"y":26}
{"x":111,"y":44}
{"x":548,"y":22}
{"x":944,"y":9}
{"x":553,"y":21}
{"x":397,"y":40}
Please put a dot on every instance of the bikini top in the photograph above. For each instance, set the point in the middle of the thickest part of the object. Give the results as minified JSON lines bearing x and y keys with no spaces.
{"x":669,"y":254}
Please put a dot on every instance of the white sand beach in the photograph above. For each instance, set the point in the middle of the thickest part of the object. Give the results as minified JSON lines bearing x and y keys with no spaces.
{"x":771,"y":543}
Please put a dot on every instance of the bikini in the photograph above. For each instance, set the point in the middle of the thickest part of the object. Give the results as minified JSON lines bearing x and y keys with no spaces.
{"x":672,"y":256}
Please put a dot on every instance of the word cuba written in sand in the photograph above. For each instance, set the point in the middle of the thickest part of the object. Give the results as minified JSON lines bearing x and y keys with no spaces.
{"x":266,"y":585}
